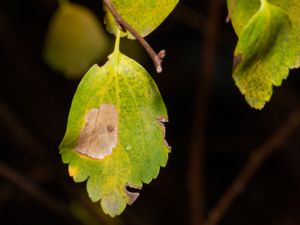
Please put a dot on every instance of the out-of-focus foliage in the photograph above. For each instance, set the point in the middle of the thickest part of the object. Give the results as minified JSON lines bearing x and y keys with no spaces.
{"x":75,"y":40}
{"x":268,"y":46}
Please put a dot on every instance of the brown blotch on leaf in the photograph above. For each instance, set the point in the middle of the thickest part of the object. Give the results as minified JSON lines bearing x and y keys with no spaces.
{"x":100,"y":134}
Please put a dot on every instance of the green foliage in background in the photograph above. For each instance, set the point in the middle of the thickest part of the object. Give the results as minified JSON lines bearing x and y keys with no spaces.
{"x":75,"y":40}
{"x":268,"y":46}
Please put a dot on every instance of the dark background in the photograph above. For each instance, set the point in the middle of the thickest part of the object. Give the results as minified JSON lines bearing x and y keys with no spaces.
{"x":34,"y":101}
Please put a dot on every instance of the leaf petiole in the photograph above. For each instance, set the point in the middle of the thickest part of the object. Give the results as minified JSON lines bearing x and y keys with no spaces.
{"x":116,"y":52}
{"x":156,"y":58}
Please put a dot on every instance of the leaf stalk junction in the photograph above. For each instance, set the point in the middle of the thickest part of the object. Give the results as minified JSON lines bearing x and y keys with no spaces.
{"x":156,"y":58}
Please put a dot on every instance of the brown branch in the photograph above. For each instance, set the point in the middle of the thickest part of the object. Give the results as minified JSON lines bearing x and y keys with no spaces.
{"x":156,"y":58}
{"x":197,"y":145}
{"x":23,"y":136}
{"x":256,"y":159}
{"x":36,"y":192}
{"x":20,"y":133}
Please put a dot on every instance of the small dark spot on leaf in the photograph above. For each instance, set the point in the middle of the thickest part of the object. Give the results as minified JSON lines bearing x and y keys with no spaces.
{"x":110,"y":128}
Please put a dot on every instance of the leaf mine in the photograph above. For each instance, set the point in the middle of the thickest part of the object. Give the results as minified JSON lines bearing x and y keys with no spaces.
{"x":100,"y":133}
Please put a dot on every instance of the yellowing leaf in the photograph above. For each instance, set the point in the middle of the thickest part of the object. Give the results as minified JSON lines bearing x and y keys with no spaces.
{"x":143,"y":15}
{"x":268,"y":46}
{"x":75,"y":40}
{"x":115,"y":135}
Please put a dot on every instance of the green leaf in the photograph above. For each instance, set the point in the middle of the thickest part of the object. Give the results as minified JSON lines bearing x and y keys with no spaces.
{"x":143,"y":15}
{"x":268,"y":46}
{"x":115,"y":132}
{"x":75,"y":40}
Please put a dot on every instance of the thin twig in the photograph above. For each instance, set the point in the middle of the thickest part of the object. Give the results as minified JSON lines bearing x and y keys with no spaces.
{"x":256,"y":159}
{"x":36,"y":192}
{"x":195,"y":170}
{"x":22,"y":135}
{"x":156,"y":58}
{"x":20,"y":132}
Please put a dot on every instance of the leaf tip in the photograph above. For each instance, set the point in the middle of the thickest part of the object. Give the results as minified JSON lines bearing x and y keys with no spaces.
{"x":113,"y":206}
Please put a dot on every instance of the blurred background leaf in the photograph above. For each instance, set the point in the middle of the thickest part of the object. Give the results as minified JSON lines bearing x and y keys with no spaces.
{"x":75,"y":41}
